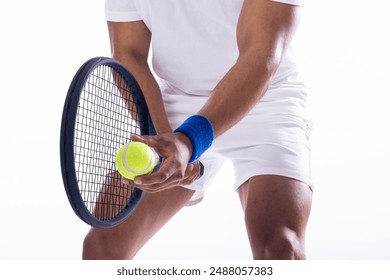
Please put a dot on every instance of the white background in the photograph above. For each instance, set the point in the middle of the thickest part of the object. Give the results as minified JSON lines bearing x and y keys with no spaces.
{"x":343,"y":51}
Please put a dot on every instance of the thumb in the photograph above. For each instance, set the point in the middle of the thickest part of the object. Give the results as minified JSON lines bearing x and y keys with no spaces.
{"x":137,"y":138}
{"x":146,"y":139}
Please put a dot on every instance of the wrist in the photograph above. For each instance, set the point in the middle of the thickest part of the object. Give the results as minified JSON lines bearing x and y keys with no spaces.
{"x":200,"y":133}
{"x":183,"y":138}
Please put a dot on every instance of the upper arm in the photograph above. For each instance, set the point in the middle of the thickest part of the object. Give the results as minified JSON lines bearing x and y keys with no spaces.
{"x":129,"y":40}
{"x":265,"y":29}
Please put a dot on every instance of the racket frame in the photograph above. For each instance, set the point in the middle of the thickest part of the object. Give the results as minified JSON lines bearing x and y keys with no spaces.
{"x":67,"y":153}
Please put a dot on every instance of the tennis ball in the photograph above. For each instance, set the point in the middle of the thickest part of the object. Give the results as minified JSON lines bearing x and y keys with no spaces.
{"x":134,"y":159}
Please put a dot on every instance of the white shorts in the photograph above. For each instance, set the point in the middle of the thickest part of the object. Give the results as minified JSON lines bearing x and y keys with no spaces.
{"x":273,"y":139}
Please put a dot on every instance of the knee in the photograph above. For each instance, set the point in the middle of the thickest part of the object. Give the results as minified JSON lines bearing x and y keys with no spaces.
{"x":98,"y":245}
{"x":285,"y":245}
{"x":94,"y":246}
{"x":282,"y":244}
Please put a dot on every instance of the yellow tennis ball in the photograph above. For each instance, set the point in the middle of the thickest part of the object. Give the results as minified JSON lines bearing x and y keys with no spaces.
{"x":134,"y":159}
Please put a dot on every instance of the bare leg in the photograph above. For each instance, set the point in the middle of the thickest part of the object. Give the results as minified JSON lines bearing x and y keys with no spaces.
{"x":126,"y":239}
{"x":276,"y":213}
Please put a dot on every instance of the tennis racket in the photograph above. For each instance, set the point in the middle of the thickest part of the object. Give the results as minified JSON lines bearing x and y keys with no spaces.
{"x":103,"y":108}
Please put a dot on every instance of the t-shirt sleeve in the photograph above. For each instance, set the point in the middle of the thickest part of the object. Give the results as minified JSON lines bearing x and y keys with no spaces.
{"x":292,"y":2}
{"x":121,"y":10}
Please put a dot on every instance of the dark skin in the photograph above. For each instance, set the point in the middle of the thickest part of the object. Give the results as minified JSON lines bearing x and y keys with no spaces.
{"x":276,"y":208}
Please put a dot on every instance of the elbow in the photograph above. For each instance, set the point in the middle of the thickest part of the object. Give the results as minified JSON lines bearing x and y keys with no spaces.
{"x":264,"y":58}
{"x":130,"y":57}
{"x":269,"y":64}
{"x":261,"y":63}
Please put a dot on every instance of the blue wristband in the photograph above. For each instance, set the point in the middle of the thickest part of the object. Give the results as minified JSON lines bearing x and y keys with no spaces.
{"x":200,"y":132}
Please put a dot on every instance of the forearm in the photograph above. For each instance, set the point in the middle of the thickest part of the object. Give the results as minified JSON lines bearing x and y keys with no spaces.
{"x":264,"y":32}
{"x":150,"y":88}
{"x":134,"y":55}
{"x":238,"y":92}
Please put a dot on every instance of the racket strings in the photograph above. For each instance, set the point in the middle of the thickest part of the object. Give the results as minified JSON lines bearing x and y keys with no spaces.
{"x":106,"y":119}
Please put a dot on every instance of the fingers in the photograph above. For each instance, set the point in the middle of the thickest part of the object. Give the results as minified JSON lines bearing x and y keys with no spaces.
{"x":165,"y":178}
{"x":191,"y":174}
{"x":175,"y":150}
{"x":146,"y":139}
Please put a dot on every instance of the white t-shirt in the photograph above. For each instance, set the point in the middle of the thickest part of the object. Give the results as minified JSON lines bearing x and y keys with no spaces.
{"x":193,"y":41}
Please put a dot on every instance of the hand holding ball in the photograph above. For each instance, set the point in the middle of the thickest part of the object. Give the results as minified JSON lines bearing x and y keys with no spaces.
{"x":134,"y":159}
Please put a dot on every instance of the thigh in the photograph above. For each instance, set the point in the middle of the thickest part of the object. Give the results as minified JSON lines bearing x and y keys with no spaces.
{"x":126,"y":239}
{"x":277,"y":145}
{"x":275,"y":205}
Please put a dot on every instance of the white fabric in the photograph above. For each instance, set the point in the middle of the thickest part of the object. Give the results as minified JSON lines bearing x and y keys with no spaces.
{"x":269,"y":140}
{"x":291,"y":2}
{"x":125,"y":10}
{"x":194,"y":45}
{"x":194,"y":41}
